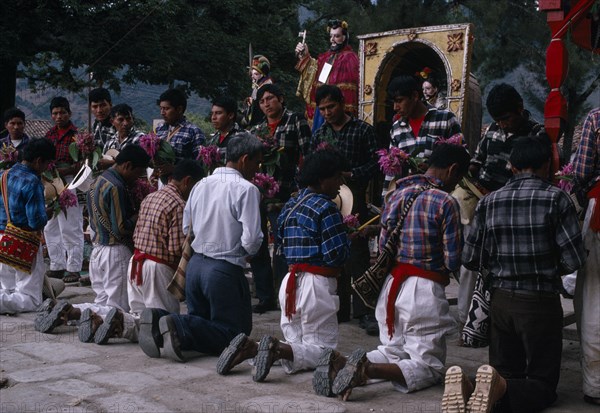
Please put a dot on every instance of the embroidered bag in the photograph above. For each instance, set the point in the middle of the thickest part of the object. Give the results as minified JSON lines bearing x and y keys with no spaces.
{"x":177,"y":284}
{"x":369,"y":284}
{"x":18,"y":246}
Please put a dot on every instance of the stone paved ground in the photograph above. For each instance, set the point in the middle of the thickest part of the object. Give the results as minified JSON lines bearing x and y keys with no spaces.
{"x":57,"y":373}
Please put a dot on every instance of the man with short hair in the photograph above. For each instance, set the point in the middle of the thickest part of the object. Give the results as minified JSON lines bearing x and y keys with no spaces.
{"x":21,"y":291}
{"x":412,"y":309}
{"x":64,"y":232}
{"x":217,"y":292}
{"x":100,"y":103}
{"x":525,"y":311}
{"x":185,"y":137}
{"x":222,"y":116}
{"x":122,"y":120}
{"x":489,"y":165}
{"x":418,"y":125}
{"x":14,"y":122}
{"x":357,"y":143}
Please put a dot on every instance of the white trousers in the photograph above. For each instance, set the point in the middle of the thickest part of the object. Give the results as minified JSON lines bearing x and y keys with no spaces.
{"x":64,"y":239}
{"x":314,"y":326}
{"x":131,"y":323}
{"x":418,"y":345}
{"x":587,"y":307}
{"x":108,"y":273}
{"x":19,"y":291}
{"x":153,"y":292}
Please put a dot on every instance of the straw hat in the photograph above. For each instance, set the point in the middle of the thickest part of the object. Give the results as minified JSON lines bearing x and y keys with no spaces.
{"x":52,"y":189}
{"x":344,"y":200}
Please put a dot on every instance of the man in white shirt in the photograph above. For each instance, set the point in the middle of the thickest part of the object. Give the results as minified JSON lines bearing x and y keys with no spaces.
{"x":223,"y":214}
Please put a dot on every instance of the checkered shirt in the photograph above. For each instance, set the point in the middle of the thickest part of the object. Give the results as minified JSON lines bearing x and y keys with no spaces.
{"x":61,"y":143}
{"x":356,"y":142}
{"x":159,"y":229}
{"x":186,"y":141}
{"x":314,"y":232}
{"x":493,"y":152}
{"x":436,"y":124}
{"x":586,"y":163}
{"x":530,"y":235}
{"x":214,"y":140}
{"x":431,"y":236}
{"x":103,"y":132}
{"x":113,"y":142}
{"x":25,"y":199}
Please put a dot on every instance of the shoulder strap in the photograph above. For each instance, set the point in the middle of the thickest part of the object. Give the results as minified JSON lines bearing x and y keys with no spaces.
{"x":103,"y":221}
{"x":304,"y":198}
{"x":5,"y":194}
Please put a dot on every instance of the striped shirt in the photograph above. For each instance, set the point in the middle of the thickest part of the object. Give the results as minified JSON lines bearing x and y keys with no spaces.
{"x":493,"y":152}
{"x":114,"y":142}
{"x":431,"y":236}
{"x":103,"y":131}
{"x":314,"y":232}
{"x":159,"y":229}
{"x":185,"y":138}
{"x":586,"y":163}
{"x":530,"y":235}
{"x":25,"y":199}
{"x":436,"y":124}
{"x":111,"y":200}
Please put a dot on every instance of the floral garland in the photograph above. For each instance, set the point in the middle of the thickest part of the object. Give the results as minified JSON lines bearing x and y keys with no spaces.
{"x":83,"y":147}
{"x":267,"y":185}
{"x":159,"y":150}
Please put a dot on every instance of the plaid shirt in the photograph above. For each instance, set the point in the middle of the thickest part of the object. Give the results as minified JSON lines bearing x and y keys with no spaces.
{"x":314,"y":232}
{"x":186,"y":138}
{"x":61,"y":143}
{"x":114,"y":143}
{"x":103,"y":131}
{"x":431,"y":236}
{"x":159,"y":229}
{"x":111,"y":200}
{"x":436,"y":124}
{"x":586,"y":163}
{"x":493,"y":152}
{"x":356,"y":142}
{"x":293,"y":134}
{"x":530,"y":235}
{"x":215,"y":137}
{"x":25,"y":199}
{"x":5,"y":140}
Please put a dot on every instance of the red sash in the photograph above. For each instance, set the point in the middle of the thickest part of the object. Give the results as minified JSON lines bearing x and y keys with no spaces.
{"x":400,"y":272}
{"x":595,"y":219}
{"x":138,"y":262}
{"x":290,"y":287}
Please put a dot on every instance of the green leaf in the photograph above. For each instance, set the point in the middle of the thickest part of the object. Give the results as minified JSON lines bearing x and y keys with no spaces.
{"x":95,"y":158}
{"x":74,"y":152}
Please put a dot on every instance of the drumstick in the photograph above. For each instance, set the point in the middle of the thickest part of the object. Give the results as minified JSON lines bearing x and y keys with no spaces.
{"x":376,"y":217}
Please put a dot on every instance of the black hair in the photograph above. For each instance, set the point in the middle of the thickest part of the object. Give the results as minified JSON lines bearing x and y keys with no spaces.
{"x":446,"y":154}
{"x":121,"y":109}
{"x":188,"y":167}
{"x":243,"y":143}
{"x":503,"y":99}
{"x":60,"y":102}
{"x":13,"y":113}
{"x":403,"y":86}
{"x":226,"y":102}
{"x":134,"y":154}
{"x":38,"y":148}
{"x":319,"y":165}
{"x":329,"y":91}
{"x":175,"y":97}
{"x":530,"y":151}
{"x":98,"y":95}
{"x":271,"y":88}
{"x":433,"y":80}
{"x":335,"y":23}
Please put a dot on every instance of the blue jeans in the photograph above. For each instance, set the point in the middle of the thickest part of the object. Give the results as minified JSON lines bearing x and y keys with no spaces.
{"x":218,"y":300}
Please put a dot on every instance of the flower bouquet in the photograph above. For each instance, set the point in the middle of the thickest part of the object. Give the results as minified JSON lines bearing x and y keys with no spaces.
{"x":8,"y":156}
{"x":140,"y":189}
{"x":352,"y":223}
{"x":267,"y":185}
{"x":210,"y":157}
{"x":273,"y":153}
{"x":393,"y":161}
{"x":456,"y":139}
{"x":566,"y":178}
{"x":83,"y":147}
{"x":159,"y":150}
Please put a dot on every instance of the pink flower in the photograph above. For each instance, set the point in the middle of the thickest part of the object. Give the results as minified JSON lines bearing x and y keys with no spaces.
{"x":267,"y":184}
{"x":140,"y":190}
{"x":67,"y":199}
{"x":351,"y":221}
{"x":391,"y":161}
{"x":51,"y":166}
{"x":324,"y":146}
{"x":565,"y":177}
{"x":210,"y":156}
{"x":85,"y":143}
{"x":456,"y":139}
{"x":150,"y":143}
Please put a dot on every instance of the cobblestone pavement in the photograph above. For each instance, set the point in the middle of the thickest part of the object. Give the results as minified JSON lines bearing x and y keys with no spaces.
{"x":57,"y":373}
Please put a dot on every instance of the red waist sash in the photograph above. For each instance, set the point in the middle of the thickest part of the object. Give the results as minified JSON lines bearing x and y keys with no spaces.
{"x":290,"y":287}
{"x":138,"y":262}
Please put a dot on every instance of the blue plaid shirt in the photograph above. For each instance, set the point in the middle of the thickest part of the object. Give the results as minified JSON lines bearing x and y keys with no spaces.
{"x":186,"y":140}
{"x":314,"y":233}
{"x":25,"y":199}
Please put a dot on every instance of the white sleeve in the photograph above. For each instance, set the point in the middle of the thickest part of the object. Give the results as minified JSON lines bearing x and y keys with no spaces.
{"x":249,"y":217}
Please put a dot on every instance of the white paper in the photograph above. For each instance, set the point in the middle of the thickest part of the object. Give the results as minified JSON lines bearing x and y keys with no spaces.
{"x":324,"y":75}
